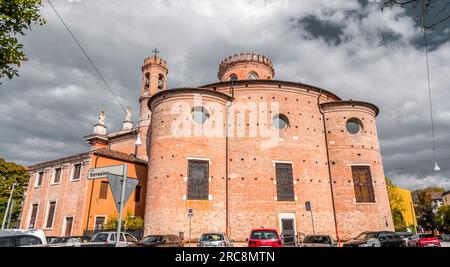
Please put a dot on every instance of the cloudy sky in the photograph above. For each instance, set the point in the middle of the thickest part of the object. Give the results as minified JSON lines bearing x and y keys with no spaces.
{"x":348,"y":47}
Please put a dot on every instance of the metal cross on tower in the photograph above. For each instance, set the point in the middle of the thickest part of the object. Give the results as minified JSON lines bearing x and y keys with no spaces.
{"x":155,"y":52}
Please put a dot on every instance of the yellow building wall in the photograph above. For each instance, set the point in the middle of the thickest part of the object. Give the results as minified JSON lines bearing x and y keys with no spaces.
{"x":408,"y":212}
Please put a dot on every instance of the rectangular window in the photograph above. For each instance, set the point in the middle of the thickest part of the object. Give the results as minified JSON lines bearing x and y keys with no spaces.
{"x":362,"y":182}
{"x":76,"y":172}
{"x":137,"y":194}
{"x":198,"y":180}
{"x":57,"y":177}
{"x":40,"y":179}
{"x":50,"y":214}
{"x":33,"y":216}
{"x":285,"y":182}
{"x":99,"y":222}
{"x":103,"y":190}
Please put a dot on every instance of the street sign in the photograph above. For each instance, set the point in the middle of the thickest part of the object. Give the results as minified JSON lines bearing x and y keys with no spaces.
{"x":190,"y":212}
{"x":308,"y":205}
{"x":101,"y":172}
{"x":115,"y":183}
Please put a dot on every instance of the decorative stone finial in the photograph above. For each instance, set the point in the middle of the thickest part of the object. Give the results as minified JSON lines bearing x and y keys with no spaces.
{"x":127,"y":124}
{"x":100,"y":127}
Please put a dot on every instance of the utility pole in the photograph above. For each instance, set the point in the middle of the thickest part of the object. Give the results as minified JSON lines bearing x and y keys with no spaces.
{"x":122,"y":199}
{"x":8,"y":225}
{"x":8,"y":205}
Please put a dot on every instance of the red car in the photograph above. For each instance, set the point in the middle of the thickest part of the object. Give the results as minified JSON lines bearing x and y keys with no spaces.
{"x":428,"y":240}
{"x":264,"y":238}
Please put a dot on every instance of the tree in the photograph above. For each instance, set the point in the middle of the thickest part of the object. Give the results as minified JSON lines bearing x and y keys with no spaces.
{"x":424,"y":207}
{"x":398,"y":205}
{"x":11,"y":173}
{"x":442,"y":218}
{"x":16,"y":17}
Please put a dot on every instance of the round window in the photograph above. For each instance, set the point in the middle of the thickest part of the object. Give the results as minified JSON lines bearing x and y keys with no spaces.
{"x":233,"y":77}
{"x":353,"y":126}
{"x":253,"y":76}
{"x":280,"y":121}
{"x":200,"y":115}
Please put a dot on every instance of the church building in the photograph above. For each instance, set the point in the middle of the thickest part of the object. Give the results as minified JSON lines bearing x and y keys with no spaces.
{"x":245,"y":152}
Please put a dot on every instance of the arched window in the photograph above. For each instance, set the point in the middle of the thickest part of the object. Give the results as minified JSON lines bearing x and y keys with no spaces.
{"x":161,"y":82}
{"x":233,"y":77}
{"x":253,"y":76}
{"x":147,"y":80}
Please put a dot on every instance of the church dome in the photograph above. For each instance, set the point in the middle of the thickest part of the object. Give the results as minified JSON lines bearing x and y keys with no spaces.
{"x":248,"y":66}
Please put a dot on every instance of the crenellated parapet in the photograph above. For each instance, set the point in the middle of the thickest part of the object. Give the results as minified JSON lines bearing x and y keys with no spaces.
{"x":243,"y":64}
{"x":154,"y":60}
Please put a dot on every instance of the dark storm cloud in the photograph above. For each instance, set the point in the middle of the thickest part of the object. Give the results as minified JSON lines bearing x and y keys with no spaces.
{"x":348,"y":48}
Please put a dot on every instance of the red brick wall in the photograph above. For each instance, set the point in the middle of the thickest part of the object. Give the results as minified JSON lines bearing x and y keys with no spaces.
{"x":252,"y":188}
{"x":70,"y":197}
{"x":356,"y":149}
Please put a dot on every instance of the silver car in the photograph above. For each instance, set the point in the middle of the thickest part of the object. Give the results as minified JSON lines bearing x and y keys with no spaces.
{"x":318,"y":241}
{"x":217,"y":239}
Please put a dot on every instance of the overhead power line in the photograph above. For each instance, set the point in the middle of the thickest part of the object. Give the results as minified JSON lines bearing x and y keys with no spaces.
{"x":87,"y":56}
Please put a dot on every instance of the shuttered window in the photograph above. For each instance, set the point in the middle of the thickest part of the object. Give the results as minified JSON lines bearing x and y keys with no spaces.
{"x":362,"y":182}
{"x":50,"y":214}
{"x":103,"y":190}
{"x":285,"y":183}
{"x":57,"y":177}
{"x":198,"y":180}
{"x":76,"y":172}
{"x":137,"y":194}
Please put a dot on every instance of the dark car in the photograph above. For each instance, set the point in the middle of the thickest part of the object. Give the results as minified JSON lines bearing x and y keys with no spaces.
{"x":159,"y":241}
{"x":318,"y":241}
{"x":375,"y":239}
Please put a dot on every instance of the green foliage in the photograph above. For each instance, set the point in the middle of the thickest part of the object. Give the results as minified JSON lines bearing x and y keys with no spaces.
{"x":131,"y":222}
{"x":442,"y":218}
{"x":397,"y":205}
{"x":16,"y":16}
{"x":424,"y":207}
{"x":11,"y":173}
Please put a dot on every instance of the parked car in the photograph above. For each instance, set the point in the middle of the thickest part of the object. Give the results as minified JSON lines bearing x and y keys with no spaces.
{"x":214,"y":240}
{"x":22,"y":238}
{"x":318,"y":241}
{"x":408,"y":239}
{"x":428,"y":240}
{"x":110,"y":238}
{"x":68,"y":240}
{"x":159,"y":241}
{"x":263,"y":237}
{"x":375,"y":239}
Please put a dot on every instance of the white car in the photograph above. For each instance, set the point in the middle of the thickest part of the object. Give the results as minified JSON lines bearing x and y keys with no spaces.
{"x":22,"y":238}
{"x":110,"y":238}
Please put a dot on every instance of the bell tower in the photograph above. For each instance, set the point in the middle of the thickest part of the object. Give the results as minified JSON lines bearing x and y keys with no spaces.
{"x":154,"y":76}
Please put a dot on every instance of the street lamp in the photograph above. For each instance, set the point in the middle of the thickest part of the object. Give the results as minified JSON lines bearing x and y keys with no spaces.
{"x":137,"y":143}
{"x":436,"y":167}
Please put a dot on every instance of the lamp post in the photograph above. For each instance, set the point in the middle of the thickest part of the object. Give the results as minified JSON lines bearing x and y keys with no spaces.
{"x":8,"y":206}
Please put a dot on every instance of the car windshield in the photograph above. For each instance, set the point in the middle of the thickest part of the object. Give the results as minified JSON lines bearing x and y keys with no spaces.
{"x":100,"y":238}
{"x":426,"y":236}
{"x":366,"y":236}
{"x":152,"y":239}
{"x":264,"y":234}
{"x":317,"y":239}
{"x":211,"y":237}
{"x":57,"y":240}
